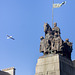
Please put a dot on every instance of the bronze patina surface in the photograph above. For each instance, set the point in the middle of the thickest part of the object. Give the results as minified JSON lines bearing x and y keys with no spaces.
{"x":53,"y":44}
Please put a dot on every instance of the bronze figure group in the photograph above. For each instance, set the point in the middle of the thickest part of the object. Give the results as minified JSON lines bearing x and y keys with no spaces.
{"x":53,"y":44}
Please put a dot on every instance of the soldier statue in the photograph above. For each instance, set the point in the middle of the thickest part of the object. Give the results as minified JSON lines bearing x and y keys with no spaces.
{"x":67,"y":48}
{"x":53,"y":44}
{"x":57,"y":43}
{"x":42,"y":48}
{"x":56,"y":29}
{"x":44,"y":45}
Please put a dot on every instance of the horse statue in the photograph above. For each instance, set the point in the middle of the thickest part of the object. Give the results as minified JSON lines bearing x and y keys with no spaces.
{"x":47,"y":28}
{"x":46,"y":42}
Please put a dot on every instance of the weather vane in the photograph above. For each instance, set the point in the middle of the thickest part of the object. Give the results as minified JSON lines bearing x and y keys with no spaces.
{"x":56,"y":5}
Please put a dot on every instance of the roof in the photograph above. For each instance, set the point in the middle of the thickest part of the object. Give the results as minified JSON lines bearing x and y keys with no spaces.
{"x":8,"y":69}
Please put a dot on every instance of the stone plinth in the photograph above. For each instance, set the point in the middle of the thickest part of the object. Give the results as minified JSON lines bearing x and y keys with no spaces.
{"x":74,"y":63}
{"x":54,"y":65}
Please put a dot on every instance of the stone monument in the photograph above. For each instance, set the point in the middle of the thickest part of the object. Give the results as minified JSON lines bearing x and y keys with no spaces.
{"x":56,"y":59}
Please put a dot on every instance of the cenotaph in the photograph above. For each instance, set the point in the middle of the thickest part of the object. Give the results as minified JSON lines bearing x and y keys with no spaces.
{"x":56,"y":59}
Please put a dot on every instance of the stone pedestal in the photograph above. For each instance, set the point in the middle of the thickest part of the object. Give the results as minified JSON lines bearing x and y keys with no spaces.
{"x":54,"y":65}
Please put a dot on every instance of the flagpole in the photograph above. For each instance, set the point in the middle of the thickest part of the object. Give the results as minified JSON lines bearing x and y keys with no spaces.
{"x":52,"y":14}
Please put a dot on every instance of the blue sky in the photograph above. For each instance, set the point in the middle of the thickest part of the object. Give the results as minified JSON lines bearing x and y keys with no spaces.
{"x":24,"y":20}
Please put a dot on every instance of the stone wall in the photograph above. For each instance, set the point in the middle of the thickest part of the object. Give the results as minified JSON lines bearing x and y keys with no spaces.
{"x":54,"y":64}
{"x":48,"y":65}
{"x":73,"y":62}
{"x":4,"y":73}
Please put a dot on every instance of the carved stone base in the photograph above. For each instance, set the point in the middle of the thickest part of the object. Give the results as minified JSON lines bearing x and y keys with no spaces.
{"x":54,"y":65}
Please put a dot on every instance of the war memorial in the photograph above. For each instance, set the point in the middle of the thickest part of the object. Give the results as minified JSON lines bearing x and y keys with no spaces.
{"x":56,"y":59}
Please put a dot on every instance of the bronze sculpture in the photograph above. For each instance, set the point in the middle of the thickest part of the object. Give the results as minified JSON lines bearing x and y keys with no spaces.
{"x":53,"y":44}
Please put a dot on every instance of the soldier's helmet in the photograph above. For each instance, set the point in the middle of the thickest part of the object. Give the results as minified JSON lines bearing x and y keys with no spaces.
{"x":41,"y":37}
{"x":55,"y":24}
